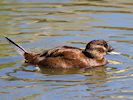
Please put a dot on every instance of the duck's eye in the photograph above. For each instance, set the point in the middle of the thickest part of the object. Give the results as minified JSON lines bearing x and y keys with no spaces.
{"x":105,"y":45}
{"x":100,"y":50}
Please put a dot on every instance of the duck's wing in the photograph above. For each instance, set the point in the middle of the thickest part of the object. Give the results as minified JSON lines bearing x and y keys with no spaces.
{"x":64,"y":51}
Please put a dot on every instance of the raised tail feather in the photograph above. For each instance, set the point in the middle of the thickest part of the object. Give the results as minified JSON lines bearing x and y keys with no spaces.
{"x":30,"y":57}
{"x":17,"y":47}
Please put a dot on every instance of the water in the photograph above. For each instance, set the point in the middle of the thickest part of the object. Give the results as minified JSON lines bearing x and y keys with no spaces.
{"x":43,"y":24}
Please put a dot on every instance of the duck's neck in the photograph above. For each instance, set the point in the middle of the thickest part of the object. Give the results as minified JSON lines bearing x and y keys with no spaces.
{"x":93,"y":61}
{"x":88,"y":55}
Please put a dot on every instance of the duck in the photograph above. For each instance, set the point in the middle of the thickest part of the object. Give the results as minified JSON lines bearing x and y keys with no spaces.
{"x":67,"y":57}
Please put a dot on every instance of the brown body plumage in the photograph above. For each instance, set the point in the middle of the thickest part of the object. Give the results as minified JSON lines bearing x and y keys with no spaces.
{"x":70,"y":57}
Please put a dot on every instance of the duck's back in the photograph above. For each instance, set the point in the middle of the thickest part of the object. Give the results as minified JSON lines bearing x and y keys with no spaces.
{"x":63,"y":57}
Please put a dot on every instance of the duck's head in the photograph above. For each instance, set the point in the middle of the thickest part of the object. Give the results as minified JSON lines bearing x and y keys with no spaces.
{"x":97,"y":49}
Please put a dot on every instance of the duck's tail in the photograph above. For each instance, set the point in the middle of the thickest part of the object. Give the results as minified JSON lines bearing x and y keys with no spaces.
{"x":30,"y":57}
{"x":17,"y":47}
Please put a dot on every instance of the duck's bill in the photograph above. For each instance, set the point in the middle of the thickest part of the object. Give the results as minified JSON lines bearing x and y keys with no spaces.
{"x":114,"y":53}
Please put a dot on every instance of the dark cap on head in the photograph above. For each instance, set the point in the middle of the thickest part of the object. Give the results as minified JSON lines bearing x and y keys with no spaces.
{"x":102,"y":43}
